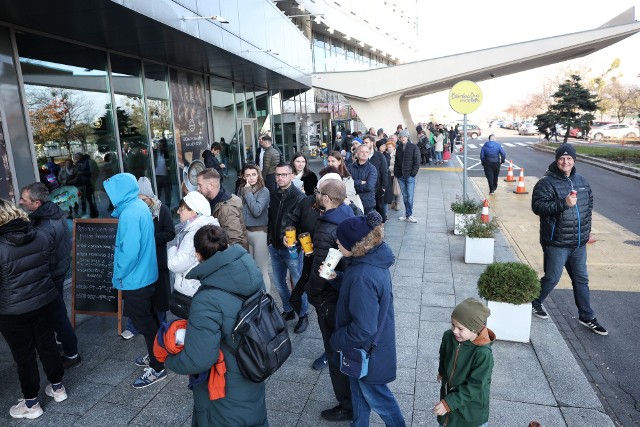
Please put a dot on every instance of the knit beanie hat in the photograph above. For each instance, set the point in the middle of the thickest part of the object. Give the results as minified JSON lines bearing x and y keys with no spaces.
{"x":352,"y":230}
{"x":472,"y":314}
{"x":566,"y":150}
{"x":403,"y":133}
{"x":145,"y":187}
{"x":198,"y":203}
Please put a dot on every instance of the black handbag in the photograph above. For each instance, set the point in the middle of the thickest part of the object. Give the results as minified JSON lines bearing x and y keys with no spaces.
{"x":180,"y":304}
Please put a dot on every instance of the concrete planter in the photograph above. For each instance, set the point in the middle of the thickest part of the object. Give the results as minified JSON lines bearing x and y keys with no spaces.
{"x":478,"y":250}
{"x":459,"y":221}
{"x":510,"y":322}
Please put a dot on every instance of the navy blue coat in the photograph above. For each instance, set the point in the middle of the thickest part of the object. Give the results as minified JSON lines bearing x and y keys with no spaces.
{"x":52,"y":220}
{"x":365,"y":291}
{"x":368,"y":173}
{"x":492,"y":152}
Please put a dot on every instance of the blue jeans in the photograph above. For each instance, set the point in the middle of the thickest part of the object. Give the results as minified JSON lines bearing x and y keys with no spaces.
{"x":378,"y":397}
{"x":407,"y":186}
{"x":281,"y":261}
{"x":575,"y":262}
{"x":438,"y":156}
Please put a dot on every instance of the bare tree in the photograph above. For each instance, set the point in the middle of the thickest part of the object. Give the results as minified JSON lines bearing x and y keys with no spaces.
{"x":622,"y":99}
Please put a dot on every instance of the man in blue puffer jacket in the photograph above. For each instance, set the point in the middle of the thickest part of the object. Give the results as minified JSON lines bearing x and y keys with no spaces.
{"x":564,"y":202}
{"x":492,"y":156}
{"x":365,"y":178}
{"x":135,"y":266}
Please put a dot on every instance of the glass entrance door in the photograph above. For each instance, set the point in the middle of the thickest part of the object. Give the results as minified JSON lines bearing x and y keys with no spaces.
{"x":248,"y":139}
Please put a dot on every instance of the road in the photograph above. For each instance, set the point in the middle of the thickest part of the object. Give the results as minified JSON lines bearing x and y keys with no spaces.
{"x":609,"y":362}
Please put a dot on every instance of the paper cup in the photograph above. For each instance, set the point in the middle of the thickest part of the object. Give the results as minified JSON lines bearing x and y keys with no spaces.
{"x":330,"y":262}
{"x":290,"y":234}
{"x":307,"y":244}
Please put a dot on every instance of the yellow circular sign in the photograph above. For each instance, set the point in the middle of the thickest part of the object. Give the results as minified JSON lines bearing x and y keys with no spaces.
{"x":465,"y":97}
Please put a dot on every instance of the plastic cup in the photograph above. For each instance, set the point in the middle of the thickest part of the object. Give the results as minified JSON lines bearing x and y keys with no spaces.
{"x":290,"y":234}
{"x":307,"y":244}
{"x":330,"y":262}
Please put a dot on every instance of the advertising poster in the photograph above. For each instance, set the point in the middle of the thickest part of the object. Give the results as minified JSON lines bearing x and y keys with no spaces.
{"x":190,"y":116}
{"x":6,"y":186}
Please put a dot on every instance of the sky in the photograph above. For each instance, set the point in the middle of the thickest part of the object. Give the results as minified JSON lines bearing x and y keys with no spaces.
{"x":467,"y":25}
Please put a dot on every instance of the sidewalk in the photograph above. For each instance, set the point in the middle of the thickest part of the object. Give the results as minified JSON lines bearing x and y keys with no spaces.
{"x":537,"y":381}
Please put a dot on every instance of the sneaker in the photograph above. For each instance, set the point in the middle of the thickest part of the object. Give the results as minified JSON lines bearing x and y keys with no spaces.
{"x":149,"y":377}
{"x":402,"y":218}
{"x":59,"y":395}
{"x":127,"y":334}
{"x":301,"y":326}
{"x":321,"y":362}
{"x":143,"y":361}
{"x":21,"y":410}
{"x":289,"y":315}
{"x":70,"y":362}
{"x":594,"y":326}
{"x":411,"y":219}
{"x":539,"y":312}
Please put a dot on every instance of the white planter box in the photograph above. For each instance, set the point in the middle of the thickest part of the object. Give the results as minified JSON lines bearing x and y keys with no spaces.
{"x":510,"y":322}
{"x":460,"y":220}
{"x":478,"y":251}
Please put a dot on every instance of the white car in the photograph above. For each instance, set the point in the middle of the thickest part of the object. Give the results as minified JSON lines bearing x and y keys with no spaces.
{"x":528,"y":129}
{"x":615,"y":130}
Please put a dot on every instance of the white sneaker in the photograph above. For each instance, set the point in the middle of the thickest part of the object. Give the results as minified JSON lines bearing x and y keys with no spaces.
{"x":402,"y":218}
{"x":21,"y":410}
{"x":411,"y":219}
{"x":127,"y":334}
{"x":58,"y":395}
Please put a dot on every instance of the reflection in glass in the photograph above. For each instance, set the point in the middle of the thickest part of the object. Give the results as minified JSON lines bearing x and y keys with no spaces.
{"x":224,"y":120}
{"x":6,"y":183}
{"x":71,"y":122}
{"x":159,"y":113}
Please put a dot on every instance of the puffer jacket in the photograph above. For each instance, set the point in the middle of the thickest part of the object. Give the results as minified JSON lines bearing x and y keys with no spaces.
{"x":227,"y":208}
{"x":25,"y":278}
{"x":182,"y":258}
{"x":318,"y":289}
{"x":281,"y":204}
{"x":560,"y":225}
{"x":52,"y":220}
{"x":211,"y":321}
{"x":407,"y":160}
{"x":492,"y":152}
{"x":135,"y":264}
{"x":369,"y":174}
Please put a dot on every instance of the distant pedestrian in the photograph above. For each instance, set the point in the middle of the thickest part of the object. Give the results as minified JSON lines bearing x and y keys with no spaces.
{"x":492,"y":155}
{"x":564,"y":202}
{"x":466,"y":364}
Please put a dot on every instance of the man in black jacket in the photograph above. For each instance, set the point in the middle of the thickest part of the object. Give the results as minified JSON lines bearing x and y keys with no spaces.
{"x":283,"y":201}
{"x":49,"y":218}
{"x":382,"y":167}
{"x":324,"y":297}
{"x":210,"y":158}
{"x":564,"y":202}
{"x":405,"y":170}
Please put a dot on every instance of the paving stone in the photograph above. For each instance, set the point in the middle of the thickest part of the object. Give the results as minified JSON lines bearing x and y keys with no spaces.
{"x":436,"y":314}
{"x":82,"y":397}
{"x":406,"y":305}
{"x":310,"y":416}
{"x":105,"y":414}
{"x":406,"y":356}
{"x":409,"y":292}
{"x":504,"y":413}
{"x":580,"y":417}
{"x":287,"y":396}
{"x":404,"y":383}
{"x":296,"y":370}
{"x":166,"y":410}
{"x":441,"y":300}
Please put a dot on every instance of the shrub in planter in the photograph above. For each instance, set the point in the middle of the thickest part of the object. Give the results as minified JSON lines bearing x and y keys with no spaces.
{"x":476,"y":229}
{"x":466,"y":206}
{"x":511,"y":282}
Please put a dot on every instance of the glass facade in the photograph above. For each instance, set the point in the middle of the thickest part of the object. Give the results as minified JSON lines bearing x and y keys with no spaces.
{"x":330,"y":54}
{"x":93,"y":114}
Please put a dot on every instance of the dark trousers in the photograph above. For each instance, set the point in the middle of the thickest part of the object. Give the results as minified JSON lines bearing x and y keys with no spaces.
{"x":270,"y":183}
{"x":138,"y":308}
{"x":27,"y":334}
{"x":492,"y":171}
{"x":164,"y":188}
{"x":339,"y":381}
{"x":381,"y":206}
{"x":61,"y":323}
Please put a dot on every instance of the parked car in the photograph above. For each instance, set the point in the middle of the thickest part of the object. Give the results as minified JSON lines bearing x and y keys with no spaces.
{"x":473,"y":131}
{"x":528,"y":128}
{"x":615,"y":130}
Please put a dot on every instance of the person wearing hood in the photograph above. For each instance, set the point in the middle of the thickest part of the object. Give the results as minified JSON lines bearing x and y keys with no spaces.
{"x":50,"y":219}
{"x":211,"y":159}
{"x":564,"y":202}
{"x":135,"y":267}
{"x":27,"y":308}
{"x":364,"y":312}
{"x":227,"y":273}
{"x":226,"y":207}
{"x":164,"y":232}
{"x":195,"y":213}
{"x":464,"y":370}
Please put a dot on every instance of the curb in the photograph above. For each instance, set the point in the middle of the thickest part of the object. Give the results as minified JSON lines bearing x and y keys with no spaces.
{"x":620,"y":169}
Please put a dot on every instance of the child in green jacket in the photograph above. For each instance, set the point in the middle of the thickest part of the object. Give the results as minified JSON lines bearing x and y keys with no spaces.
{"x":466,"y":362}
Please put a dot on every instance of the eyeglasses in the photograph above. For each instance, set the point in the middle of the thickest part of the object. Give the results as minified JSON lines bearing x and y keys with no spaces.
{"x":282,"y":175}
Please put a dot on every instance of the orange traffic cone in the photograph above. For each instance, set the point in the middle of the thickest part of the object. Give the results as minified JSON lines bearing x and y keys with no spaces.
{"x":485,"y":212}
{"x":510,"y":177}
{"x":520,"y":188}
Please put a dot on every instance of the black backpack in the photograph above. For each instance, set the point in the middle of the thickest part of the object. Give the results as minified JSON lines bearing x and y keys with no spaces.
{"x":262,"y":337}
